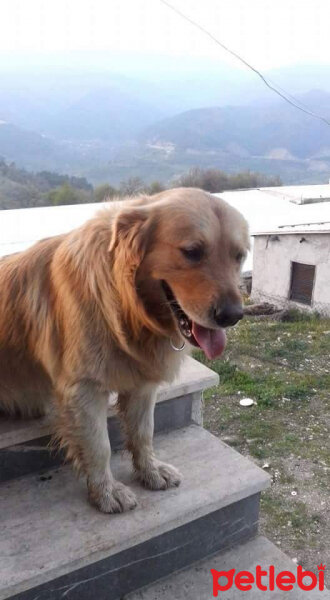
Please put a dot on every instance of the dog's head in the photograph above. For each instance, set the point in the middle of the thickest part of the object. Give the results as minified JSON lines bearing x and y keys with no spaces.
{"x":178,"y":257}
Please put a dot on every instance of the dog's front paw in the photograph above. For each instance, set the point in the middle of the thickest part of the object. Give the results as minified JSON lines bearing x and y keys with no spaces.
{"x":159,"y":476}
{"x":114,"y":498}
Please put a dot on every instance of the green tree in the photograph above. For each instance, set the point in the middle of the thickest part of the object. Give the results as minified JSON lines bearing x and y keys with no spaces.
{"x":155,"y":187}
{"x":104,"y":192}
{"x":65,"y":195}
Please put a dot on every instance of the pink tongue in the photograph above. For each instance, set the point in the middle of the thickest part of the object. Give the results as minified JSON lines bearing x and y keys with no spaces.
{"x":212,"y":341}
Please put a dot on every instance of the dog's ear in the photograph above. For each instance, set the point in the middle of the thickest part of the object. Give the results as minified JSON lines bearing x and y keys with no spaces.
{"x":133,"y":229}
{"x":132,"y":235}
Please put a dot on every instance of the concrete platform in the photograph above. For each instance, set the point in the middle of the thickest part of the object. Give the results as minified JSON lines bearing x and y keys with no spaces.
{"x":24,"y":445}
{"x":194,"y":377}
{"x":36,"y":455}
{"x":196,"y":582}
{"x":54,"y":545}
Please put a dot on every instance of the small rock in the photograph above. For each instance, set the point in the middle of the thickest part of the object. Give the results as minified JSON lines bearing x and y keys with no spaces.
{"x":246,"y":402}
{"x":230,"y":439}
{"x":293,"y":493}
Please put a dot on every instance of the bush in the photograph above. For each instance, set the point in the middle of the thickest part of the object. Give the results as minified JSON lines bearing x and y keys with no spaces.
{"x":214,"y":180}
{"x":66,"y":194}
{"x":132,"y":186}
{"x":154,"y":188}
{"x":104,"y":192}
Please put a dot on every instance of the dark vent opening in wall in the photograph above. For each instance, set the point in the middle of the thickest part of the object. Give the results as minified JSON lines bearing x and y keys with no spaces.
{"x":302,"y":282}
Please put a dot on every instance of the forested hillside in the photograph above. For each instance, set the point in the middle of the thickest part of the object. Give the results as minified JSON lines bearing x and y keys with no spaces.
{"x":21,"y":189}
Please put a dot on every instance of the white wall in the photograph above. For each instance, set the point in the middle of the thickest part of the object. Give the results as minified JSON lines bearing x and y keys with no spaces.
{"x":272,"y":266}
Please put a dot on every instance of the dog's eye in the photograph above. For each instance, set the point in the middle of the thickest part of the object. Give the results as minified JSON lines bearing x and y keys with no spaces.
{"x":194,"y":253}
{"x":239,"y":257}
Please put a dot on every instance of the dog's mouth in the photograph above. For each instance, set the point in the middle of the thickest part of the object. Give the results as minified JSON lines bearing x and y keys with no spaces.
{"x":211,"y":341}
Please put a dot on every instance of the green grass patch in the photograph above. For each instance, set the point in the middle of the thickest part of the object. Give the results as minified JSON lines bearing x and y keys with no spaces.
{"x":294,"y":315}
{"x":293,"y":516}
{"x":284,"y":367}
{"x":266,"y":389}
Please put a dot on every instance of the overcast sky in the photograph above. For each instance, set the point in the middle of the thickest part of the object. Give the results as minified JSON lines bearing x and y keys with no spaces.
{"x":268,"y":33}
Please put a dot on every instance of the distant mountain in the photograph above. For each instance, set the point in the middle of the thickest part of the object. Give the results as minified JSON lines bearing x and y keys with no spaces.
{"x":18,"y":144}
{"x":299,"y":79}
{"x":158,"y":121}
{"x":37,"y":152}
{"x":104,"y":114}
{"x":249,"y":130}
{"x":24,"y":108}
{"x":111,"y":97}
{"x":80,"y":104}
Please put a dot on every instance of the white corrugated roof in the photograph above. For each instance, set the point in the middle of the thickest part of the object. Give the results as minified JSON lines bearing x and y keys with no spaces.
{"x":264,"y":208}
{"x":22,"y":227}
{"x":302,"y":228}
{"x":302,"y":194}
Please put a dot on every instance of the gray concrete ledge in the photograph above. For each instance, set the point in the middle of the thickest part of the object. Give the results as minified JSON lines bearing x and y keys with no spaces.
{"x":195,"y":583}
{"x":119,"y":574}
{"x":49,"y":530}
{"x":193,"y":377}
{"x":36,"y":455}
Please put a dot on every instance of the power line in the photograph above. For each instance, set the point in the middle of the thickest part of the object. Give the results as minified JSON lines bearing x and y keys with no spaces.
{"x":284,"y":95}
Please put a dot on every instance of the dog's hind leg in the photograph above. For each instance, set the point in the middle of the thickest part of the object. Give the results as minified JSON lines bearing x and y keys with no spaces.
{"x":137,"y":411}
{"x":82,"y":431}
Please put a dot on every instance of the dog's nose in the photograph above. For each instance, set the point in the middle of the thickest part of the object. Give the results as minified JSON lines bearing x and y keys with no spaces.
{"x":229,"y":314}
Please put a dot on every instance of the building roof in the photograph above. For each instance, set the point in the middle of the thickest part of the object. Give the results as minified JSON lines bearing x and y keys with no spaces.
{"x":302,"y":194}
{"x":22,"y":227}
{"x":300,"y":228}
{"x":267,"y":210}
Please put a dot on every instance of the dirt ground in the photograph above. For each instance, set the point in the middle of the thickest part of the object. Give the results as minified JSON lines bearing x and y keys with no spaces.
{"x":285,"y":368}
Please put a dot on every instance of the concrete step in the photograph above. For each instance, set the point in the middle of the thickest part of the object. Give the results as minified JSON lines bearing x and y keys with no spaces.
{"x":54,"y":545}
{"x":24,"y":443}
{"x":196,"y":582}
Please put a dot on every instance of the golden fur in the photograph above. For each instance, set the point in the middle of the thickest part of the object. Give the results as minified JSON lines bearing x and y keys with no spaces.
{"x":84,"y":313}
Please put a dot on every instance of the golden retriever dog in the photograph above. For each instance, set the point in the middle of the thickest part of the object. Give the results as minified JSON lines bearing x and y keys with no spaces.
{"x":105,"y":309}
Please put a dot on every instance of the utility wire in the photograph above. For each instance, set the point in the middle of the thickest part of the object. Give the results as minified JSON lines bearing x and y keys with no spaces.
{"x":294,"y":102}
